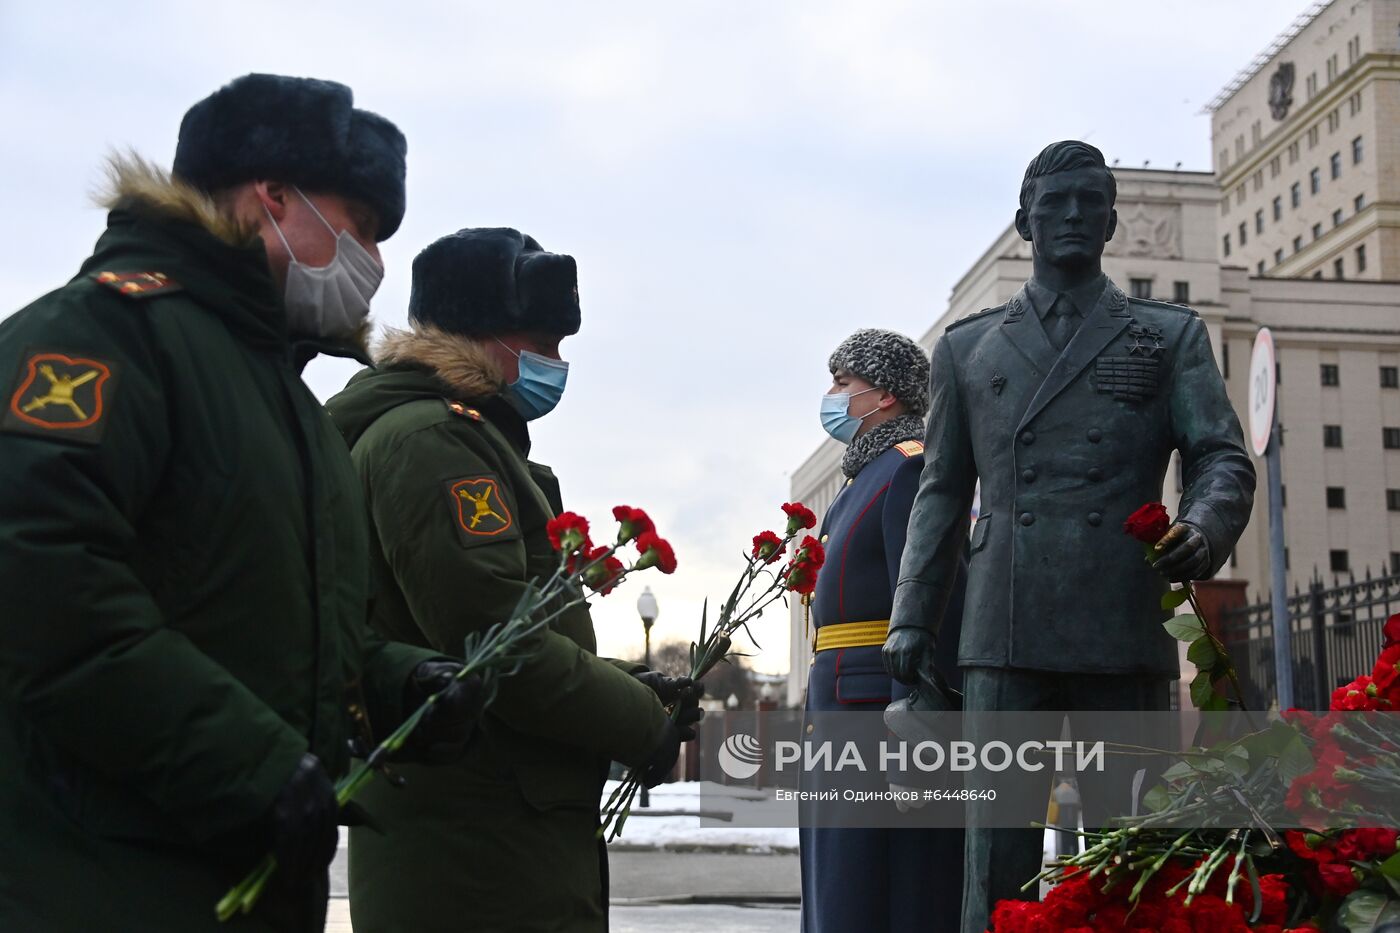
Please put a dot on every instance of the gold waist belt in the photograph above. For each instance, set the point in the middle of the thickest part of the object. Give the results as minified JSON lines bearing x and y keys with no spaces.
{"x":852,"y":634}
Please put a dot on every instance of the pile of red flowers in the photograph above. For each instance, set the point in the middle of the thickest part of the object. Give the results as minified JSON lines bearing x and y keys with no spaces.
{"x":1080,"y":904}
{"x":1330,"y":856}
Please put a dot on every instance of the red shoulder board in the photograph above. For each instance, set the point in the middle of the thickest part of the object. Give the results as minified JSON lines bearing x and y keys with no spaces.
{"x":462,"y":411}
{"x":137,"y":284}
{"x":910,"y":448}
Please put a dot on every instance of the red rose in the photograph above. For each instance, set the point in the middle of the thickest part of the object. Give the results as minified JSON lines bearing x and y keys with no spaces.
{"x":1392,"y":630}
{"x":767,"y":547}
{"x":1337,"y":878}
{"x":568,"y":532}
{"x":1149,"y":523}
{"x":634,"y":523}
{"x":799,"y":517}
{"x":656,"y":552}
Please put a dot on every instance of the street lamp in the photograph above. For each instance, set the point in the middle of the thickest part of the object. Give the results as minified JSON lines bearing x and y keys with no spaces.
{"x":648,"y":610}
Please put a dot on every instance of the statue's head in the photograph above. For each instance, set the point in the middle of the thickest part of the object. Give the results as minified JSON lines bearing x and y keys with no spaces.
{"x":1067,"y":204}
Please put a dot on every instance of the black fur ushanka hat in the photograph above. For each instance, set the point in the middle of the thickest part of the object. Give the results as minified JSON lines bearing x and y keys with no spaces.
{"x":302,"y":131}
{"x":494,"y":280}
{"x":889,"y":361}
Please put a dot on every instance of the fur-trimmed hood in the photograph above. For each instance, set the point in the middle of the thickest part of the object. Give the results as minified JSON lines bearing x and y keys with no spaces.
{"x":461,"y":363}
{"x":143,"y":188}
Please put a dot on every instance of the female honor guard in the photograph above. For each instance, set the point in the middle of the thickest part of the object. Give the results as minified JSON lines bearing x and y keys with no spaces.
{"x":856,"y":878}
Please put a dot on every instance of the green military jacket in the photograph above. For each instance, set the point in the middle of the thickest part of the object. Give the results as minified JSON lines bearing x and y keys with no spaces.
{"x":183,"y":558}
{"x":507,"y":839}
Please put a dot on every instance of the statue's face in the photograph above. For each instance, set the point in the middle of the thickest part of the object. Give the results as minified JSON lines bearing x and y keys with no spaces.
{"x":1070,"y":218}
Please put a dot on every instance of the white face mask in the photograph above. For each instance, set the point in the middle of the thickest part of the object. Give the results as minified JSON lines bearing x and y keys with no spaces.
{"x":330,"y":300}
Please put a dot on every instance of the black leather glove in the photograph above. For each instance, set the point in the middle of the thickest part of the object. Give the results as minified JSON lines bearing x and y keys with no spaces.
{"x":302,"y":827}
{"x":1185,"y":554}
{"x":905,"y":651}
{"x":443,"y":733}
{"x":680,"y":728}
{"x":668,"y":689}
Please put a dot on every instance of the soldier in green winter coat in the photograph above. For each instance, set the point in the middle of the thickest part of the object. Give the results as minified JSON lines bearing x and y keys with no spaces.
{"x":183,"y":552}
{"x":507,"y":839}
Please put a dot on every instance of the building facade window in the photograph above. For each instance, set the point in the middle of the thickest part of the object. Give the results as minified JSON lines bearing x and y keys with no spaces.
{"x":1244,"y":233}
{"x":1339,"y":560}
{"x":1315,"y":181}
{"x":1356,"y":151}
{"x":1311,"y":85}
{"x":1336,"y":164}
{"x":1331,"y":374}
{"x":1297,"y":243}
{"x":1392,"y":500}
{"x":1293,"y":152}
{"x":1336,"y":497}
{"x":1278,"y":256}
{"x":1338,"y":268}
{"x":1312,"y":137}
{"x":1361,"y":258}
{"x":1295,"y":194}
{"x":1334,"y":120}
{"x":1225,"y":244}
{"x":1259,"y":221}
{"x":1317,"y":231}
{"x":1331,"y":435}
{"x":1358,"y":202}
{"x":1239,"y":195}
{"x":1395,"y":561}
{"x":1258,"y":180}
{"x":1259,"y":267}
{"x":1390,"y":377}
{"x":1181,"y":293}
{"x":1355,"y":103}
{"x":1278,"y":208}
{"x":1390,"y":438}
{"x":1337,"y":217}
{"x":1275,"y":166}
{"x":1140,"y":288}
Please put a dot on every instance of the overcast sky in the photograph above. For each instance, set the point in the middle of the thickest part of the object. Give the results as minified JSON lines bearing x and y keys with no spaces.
{"x":742,"y":184}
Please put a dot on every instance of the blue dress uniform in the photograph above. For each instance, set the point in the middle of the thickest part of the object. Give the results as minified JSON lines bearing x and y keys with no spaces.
{"x":873,"y":879}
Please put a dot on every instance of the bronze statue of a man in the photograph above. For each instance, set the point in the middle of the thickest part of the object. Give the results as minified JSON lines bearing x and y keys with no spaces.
{"x":1066,"y":402}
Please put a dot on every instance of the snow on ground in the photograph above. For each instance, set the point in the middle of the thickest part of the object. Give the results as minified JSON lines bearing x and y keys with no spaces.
{"x":686,"y":831}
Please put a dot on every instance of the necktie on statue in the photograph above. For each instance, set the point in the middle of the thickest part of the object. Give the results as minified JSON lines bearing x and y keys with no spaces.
{"x":1062,"y":322}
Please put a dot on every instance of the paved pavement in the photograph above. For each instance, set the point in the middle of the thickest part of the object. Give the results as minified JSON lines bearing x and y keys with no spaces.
{"x":680,"y":892}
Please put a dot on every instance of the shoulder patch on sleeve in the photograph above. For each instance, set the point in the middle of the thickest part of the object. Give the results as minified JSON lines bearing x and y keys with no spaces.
{"x":461,"y":410}
{"x":62,"y":396}
{"x":1164,"y":305}
{"x":479,"y":510}
{"x":138,"y":284}
{"x":910,"y":448}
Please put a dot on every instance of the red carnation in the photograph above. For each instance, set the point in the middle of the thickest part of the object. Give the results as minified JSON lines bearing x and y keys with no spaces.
{"x":605,"y":572}
{"x":799,"y":517}
{"x":1149,"y":523}
{"x":1392,"y":630}
{"x":568,"y":533}
{"x":634,"y":523}
{"x":656,"y":552}
{"x":1337,"y":878}
{"x":767,"y":547}
{"x":801,"y":575}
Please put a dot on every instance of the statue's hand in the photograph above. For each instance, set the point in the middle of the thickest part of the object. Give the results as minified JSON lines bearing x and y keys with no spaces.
{"x":1185,"y":554}
{"x":905,"y":651}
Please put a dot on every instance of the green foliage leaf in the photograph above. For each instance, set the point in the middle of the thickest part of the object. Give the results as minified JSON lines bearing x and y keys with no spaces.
{"x":1202,"y":689}
{"x":1390,"y":868}
{"x":1216,"y":704}
{"x":1295,"y":760}
{"x":1157,"y":799}
{"x":1366,"y":911}
{"x":1179,"y":771}
{"x":1184,"y":627}
{"x":1202,"y":653}
{"x":1173,"y":598}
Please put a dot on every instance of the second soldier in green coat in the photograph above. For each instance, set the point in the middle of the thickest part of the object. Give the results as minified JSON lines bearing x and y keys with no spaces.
{"x":507,"y":839}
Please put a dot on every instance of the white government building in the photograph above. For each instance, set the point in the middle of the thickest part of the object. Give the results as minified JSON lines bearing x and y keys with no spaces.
{"x":1298,"y":229}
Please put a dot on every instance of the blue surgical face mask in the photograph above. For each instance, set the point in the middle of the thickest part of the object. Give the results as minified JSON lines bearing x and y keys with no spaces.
{"x":837,"y":418}
{"x":539,"y":386}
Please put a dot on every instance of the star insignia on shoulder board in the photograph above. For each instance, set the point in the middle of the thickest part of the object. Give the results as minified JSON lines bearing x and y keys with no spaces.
{"x":998,"y":383}
{"x":1145,"y":340}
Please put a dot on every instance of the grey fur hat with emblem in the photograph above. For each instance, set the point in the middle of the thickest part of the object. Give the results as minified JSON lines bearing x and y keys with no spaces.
{"x":889,"y":361}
